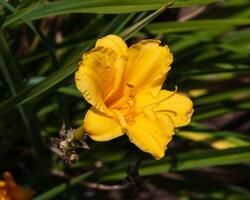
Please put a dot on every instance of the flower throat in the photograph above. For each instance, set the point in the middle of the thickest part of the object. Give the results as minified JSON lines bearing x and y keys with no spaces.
{"x":126,"y":115}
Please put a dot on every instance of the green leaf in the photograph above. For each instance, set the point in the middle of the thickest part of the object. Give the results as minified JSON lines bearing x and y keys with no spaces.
{"x":53,"y":81}
{"x":71,"y":91}
{"x":219,"y":110}
{"x":134,"y":28}
{"x":185,"y":161}
{"x":96,"y":6}
{"x":214,"y":139}
{"x":206,"y":35}
{"x":60,"y":99}
{"x":13,"y":78}
{"x":223,"y":95}
{"x":174,"y":27}
{"x":13,"y":10}
{"x":32,"y":93}
{"x":61,"y":188}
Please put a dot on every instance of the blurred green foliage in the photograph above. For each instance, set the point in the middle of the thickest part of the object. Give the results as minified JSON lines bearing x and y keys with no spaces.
{"x":41,"y":43}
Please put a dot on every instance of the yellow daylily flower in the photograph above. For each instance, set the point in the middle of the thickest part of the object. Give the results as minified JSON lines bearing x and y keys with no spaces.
{"x":9,"y":190}
{"x":123,"y":85}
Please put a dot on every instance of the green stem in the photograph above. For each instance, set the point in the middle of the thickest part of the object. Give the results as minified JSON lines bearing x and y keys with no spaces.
{"x":79,"y":133}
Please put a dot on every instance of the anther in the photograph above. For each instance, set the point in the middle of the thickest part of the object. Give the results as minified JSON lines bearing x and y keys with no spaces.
{"x":132,"y":93}
{"x":130,"y":85}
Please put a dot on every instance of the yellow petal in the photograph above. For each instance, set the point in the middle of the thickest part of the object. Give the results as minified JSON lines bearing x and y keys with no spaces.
{"x":147,"y":65}
{"x":100,"y":127}
{"x":151,"y":132}
{"x":91,"y":88}
{"x":113,"y":42}
{"x":99,"y":76}
{"x":178,"y":107}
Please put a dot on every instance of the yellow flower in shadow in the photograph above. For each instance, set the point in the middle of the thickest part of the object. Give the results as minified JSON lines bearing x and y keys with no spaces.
{"x":9,"y":190}
{"x":123,"y":85}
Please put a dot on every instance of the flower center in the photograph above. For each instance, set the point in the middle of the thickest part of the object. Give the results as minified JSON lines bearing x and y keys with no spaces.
{"x":129,"y":111}
{"x":126,"y":114}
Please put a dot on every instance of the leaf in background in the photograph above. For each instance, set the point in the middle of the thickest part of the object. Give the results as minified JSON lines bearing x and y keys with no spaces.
{"x":218,"y":110}
{"x":13,"y":79}
{"x":52,"y":193}
{"x":232,"y":94}
{"x":96,"y":6}
{"x":53,"y":81}
{"x":136,"y":27}
{"x":13,"y":10}
{"x":185,"y":161}
{"x":230,"y":141}
{"x":62,"y":108}
{"x":192,"y":25}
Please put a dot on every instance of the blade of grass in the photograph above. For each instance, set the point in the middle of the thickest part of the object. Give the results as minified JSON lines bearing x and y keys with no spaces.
{"x":13,"y":10}
{"x":218,"y":134}
{"x":118,"y":24}
{"x":11,"y":74}
{"x":206,"y":35}
{"x":55,"y":79}
{"x":221,"y":110}
{"x":207,"y":71}
{"x":136,"y":27}
{"x":221,"y":96}
{"x":174,"y":27}
{"x":13,"y":79}
{"x":184,"y":161}
{"x":62,"y":106}
{"x":32,"y":93}
{"x":72,"y":91}
{"x":96,"y":6}
{"x":213,"y":140}
{"x":52,"y":193}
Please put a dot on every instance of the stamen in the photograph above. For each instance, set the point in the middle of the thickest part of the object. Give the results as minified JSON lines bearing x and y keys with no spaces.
{"x":130,"y":85}
{"x":121,"y":121}
{"x":132,"y":93}
{"x":160,"y":101}
{"x":130,"y":116}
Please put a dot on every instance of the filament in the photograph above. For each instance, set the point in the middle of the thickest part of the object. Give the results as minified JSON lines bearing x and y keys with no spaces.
{"x":170,"y":111}
{"x":162,"y":100}
{"x":121,"y":120}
